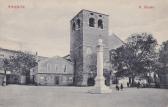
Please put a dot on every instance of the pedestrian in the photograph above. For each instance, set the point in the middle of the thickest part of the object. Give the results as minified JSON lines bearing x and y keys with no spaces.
{"x":127,"y":84}
{"x":121,"y":86}
{"x":3,"y":83}
{"x":138,"y":85}
{"x":117,"y":87}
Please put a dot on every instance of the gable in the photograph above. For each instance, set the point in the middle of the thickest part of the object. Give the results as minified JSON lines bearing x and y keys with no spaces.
{"x":114,"y":42}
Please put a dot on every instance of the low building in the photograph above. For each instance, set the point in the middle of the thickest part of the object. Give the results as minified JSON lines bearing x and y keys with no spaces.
{"x":34,"y":70}
{"x":14,"y":78}
{"x":163,"y":80}
{"x":54,"y":71}
{"x":5,"y":53}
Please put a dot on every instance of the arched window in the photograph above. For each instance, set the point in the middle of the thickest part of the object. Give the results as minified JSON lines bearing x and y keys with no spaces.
{"x":78,"y":23}
{"x":73,"y":26}
{"x":100,"y":24}
{"x":91,"y":22}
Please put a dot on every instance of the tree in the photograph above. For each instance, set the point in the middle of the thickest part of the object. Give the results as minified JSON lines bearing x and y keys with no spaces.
{"x":163,"y":57}
{"x":21,"y":63}
{"x":136,"y":57}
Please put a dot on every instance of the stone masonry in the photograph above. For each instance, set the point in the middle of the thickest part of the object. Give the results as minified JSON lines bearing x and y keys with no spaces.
{"x":86,"y":28}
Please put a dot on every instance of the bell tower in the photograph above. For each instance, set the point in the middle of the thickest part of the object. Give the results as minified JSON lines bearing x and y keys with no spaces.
{"x":86,"y":28}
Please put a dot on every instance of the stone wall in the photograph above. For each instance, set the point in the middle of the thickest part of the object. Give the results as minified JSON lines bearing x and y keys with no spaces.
{"x":54,"y":71}
{"x":54,"y":79}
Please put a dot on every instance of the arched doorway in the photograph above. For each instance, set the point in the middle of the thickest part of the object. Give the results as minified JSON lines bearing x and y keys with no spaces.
{"x":91,"y":82}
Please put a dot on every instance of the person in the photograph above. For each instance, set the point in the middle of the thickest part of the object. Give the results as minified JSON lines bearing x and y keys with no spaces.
{"x":121,"y":86}
{"x":3,"y":83}
{"x":117,"y":87}
{"x":127,"y":84}
{"x":138,"y":85}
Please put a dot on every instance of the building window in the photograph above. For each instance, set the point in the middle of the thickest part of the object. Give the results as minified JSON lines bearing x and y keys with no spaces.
{"x":78,"y":23}
{"x":65,"y":68}
{"x":91,"y":22}
{"x":100,"y":24}
{"x":73,"y":26}
{"x":42,"y":77}
{"x":55,"y":67}
{"x":91,"y":13}
{"x":48,"y":67}
{"x":70,"y":78}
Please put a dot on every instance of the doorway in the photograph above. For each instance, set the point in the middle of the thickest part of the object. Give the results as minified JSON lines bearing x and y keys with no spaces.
{"x":57,"y":80}
{"x":91,"y":82}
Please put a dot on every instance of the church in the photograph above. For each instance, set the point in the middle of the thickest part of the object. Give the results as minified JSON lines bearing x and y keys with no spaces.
{"x":79,"y":68}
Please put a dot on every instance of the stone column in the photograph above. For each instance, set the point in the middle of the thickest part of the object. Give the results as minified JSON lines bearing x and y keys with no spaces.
{"x":100,"y":86}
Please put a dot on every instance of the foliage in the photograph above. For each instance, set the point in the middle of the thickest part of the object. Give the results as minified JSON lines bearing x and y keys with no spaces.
{"x":136,"y":57}
{"x":21,"y":63}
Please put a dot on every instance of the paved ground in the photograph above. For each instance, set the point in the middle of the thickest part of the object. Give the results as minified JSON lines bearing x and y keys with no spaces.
{"x":44,"y":96}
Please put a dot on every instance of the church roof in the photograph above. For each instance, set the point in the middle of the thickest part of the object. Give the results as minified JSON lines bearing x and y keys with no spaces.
{"x":114,"y":41}
{"x":9,"y":50}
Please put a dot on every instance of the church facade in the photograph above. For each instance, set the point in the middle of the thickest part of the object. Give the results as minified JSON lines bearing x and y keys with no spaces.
{"x":54,"y":71}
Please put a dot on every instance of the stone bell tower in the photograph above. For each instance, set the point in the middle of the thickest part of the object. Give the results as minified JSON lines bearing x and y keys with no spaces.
{"x":86,"y":28}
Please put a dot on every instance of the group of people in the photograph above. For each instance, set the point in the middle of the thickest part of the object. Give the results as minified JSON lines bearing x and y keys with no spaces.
{"x":119,"y":87}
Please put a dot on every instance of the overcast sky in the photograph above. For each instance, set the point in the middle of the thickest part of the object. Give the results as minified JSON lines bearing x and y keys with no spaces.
{"x":43,"y":25}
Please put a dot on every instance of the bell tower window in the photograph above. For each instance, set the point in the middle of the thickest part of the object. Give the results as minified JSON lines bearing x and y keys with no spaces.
{"x":100,"y":24}
{"x":73,"y":26}
{"x":78,"y":23}
{"x":91,"y":22}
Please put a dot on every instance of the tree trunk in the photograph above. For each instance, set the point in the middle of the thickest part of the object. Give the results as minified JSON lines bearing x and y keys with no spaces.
{"x":132,"y":81}
{"x":4,"y":80}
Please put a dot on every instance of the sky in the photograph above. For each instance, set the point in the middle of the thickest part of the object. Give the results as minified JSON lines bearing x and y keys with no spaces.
{"x":44,"y":25}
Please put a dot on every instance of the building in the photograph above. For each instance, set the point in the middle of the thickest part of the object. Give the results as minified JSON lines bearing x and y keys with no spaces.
{"x":34,"y":70}
{"x":86,"y":28}
{"x":163,"y":76}
{"x":6,"y":53}
{"x":13,"y":78}
{"x":114,"y":42}
{"x":54,"y":71}
{"x":78,"y":68}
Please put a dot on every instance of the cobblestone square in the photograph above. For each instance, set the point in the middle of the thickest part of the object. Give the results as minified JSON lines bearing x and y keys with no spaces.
{"x":52,"y":96}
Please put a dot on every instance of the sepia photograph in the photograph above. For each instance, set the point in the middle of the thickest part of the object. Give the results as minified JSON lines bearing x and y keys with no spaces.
{"x":83,"y":53}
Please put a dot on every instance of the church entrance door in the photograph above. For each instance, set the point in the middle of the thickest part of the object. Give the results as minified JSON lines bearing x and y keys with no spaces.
{"x":57,"y":80}
{"x":91,"y":82}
